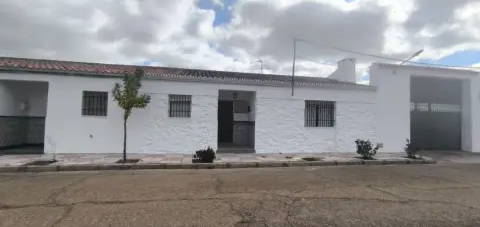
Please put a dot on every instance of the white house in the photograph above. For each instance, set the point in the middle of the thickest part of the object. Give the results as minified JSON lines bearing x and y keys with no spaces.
{"x":438,"y":108}
{"x":67,"y":107}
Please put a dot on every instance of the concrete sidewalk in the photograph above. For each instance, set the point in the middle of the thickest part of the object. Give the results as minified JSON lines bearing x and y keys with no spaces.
{"x":461,"y":157}
{"x":75,"y":162}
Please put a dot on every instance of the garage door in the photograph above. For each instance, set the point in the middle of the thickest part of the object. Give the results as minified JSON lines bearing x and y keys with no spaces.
{"x":436,"y":113}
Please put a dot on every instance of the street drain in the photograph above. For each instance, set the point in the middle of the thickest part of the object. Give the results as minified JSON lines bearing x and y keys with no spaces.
{"x":311,"y":159}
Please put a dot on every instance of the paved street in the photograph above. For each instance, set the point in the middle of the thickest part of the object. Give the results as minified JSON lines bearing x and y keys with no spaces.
{"x":407,"y":195}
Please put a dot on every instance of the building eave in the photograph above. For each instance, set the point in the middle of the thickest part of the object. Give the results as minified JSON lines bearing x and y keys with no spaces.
{"x":100,"y":70}
{"x":430,"y":68}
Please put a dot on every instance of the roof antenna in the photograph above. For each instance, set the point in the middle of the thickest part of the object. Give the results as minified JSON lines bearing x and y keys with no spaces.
{"x":261,"y":65}
{"x":411,"y":57}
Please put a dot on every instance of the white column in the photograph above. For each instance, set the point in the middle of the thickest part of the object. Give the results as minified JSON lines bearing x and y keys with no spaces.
{"x":475,"y":113}
{"x":393,"y":107}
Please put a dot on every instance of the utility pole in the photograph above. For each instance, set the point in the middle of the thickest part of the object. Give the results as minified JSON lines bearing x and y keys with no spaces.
{"x":293,"y":66}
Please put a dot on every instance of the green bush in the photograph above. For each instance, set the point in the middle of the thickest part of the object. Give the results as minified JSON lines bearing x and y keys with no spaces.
{"x":365,"y":149}
{"x":411,"y":150}
{"x":204,"y":156}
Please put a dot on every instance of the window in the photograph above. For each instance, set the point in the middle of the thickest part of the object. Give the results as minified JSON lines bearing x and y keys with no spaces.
{"x":94,"y":103}
{"x":179,"y":105}
{"x":319,"y":113}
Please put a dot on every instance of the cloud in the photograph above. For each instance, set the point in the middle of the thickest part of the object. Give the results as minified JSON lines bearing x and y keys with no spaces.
{"x":476,"y":66}
{"x":444,"y":27}
{"x":268,"y":30}
{"x":179,"y":33}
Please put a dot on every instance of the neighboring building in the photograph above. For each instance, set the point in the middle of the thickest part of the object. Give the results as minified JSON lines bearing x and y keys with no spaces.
{"x":68,"y":108}
{"x":438,"y":108}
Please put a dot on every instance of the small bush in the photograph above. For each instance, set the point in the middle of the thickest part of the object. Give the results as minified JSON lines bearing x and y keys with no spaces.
{"x":411,"y":150}
{"x":204,"y":156}
{"x":365,"y":149}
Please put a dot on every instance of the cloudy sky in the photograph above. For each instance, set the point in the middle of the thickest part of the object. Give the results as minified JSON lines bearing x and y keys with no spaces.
{"x":234,"y":34}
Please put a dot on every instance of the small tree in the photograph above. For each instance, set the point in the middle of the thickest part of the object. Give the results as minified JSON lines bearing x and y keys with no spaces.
{"x":127,"y":98}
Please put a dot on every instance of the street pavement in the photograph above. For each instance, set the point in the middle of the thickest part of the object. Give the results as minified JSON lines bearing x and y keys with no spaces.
{"x":446,"y":194}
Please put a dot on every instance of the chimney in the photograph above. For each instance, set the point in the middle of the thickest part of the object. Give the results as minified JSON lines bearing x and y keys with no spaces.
{"x":346,"y":71}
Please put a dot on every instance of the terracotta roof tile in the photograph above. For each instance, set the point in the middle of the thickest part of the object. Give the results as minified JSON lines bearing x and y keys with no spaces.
{"x":164,"y":73}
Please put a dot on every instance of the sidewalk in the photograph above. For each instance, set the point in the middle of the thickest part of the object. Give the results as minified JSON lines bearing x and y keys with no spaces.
{"x":78,"y":162}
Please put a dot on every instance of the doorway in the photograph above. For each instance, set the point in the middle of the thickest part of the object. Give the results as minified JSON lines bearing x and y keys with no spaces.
{"x":22,"y":116}
{"x":236,"y":121}
{"x":225,"y":122}
{"x":436,"y":113}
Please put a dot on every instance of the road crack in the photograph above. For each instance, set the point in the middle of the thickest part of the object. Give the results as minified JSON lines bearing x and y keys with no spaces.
{"x":52,"y":198}
{"x":66,"y":213}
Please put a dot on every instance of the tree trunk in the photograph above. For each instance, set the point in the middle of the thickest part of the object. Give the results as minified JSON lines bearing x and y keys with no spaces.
{"x":124,"y":140}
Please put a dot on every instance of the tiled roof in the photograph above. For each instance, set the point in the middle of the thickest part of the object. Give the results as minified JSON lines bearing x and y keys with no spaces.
{"x":165,"y":73}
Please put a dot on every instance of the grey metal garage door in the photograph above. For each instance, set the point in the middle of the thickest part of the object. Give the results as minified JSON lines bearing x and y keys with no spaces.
{"x":436,"y":113}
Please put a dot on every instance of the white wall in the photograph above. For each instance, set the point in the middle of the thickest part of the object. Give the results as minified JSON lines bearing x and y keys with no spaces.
{"x":466,"y":115}
{"x":280,"y":121}
{"x":279,"y":118}
{"x":393,"y":98}
{"x":475,"y":113}
{"x":393,"y":107}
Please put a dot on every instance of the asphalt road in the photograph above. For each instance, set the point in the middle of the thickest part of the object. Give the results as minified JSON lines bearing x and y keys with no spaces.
{"x":409,"y":195}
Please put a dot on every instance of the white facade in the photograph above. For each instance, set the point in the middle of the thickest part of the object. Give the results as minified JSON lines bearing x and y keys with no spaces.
{"x":279,"y":117}
{"x":393,"y":103}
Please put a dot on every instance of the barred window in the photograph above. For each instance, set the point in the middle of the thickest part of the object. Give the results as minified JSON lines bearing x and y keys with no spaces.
{"x":94,"y":103}
{"x":319,"y":113}
{"x":179,"y":105}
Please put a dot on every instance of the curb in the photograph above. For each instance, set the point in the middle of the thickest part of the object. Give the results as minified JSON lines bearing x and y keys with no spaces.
{"x":222,"y":165}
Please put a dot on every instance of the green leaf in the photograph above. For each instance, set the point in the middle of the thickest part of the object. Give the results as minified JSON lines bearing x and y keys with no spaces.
{"x":126,"y":94}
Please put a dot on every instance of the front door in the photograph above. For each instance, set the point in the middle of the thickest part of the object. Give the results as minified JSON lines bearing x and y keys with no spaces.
{"x":225,"y":121}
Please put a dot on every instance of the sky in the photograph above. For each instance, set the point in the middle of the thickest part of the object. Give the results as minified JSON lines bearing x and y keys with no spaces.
{"x":233,"y":35}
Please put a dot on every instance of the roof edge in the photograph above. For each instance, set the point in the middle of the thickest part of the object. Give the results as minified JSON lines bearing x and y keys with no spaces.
{"x":417,"y":67}
{"x":106,"y":70}
{"x":230,"y":82}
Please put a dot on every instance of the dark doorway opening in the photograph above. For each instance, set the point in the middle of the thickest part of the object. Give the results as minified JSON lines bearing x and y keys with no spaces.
{"x":22,"y":116}
{"x":436,"y":116}
{"x":225,"y":122}
{"x":236,"y":121}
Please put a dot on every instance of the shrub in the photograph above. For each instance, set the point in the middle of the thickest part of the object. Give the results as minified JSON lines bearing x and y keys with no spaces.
{"x":204,"y":156}
{"x":365,"y":149}
{"x":410,"y":150}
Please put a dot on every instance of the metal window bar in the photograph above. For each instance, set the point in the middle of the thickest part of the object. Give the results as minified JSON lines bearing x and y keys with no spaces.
{"x":319,"y":113}
{"x":180,"y":105}
{"x":94,"y":103}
